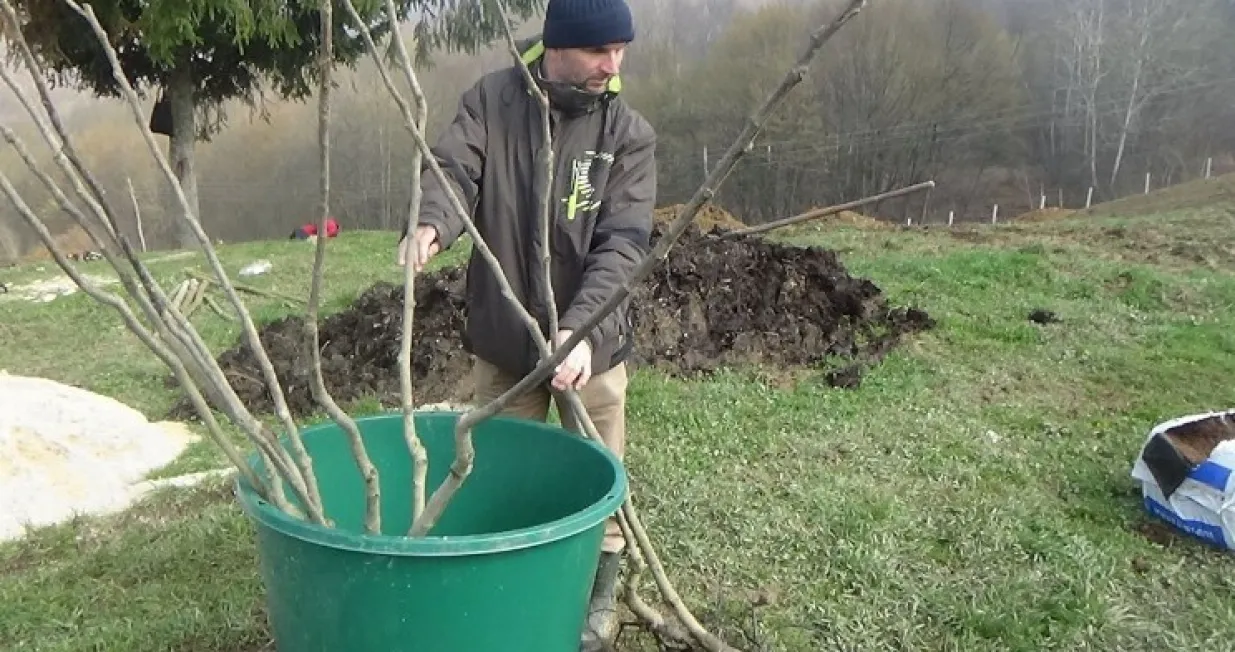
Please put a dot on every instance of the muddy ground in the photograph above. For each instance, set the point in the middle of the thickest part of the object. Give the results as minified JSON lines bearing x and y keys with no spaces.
{"x":712,"y":303}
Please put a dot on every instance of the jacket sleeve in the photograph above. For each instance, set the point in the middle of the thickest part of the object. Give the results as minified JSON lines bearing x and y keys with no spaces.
{"x":623,"y":231}
{"x":460,"y":152}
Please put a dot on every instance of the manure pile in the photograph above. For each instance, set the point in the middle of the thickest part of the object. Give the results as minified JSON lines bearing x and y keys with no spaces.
{"x":714,"y":302}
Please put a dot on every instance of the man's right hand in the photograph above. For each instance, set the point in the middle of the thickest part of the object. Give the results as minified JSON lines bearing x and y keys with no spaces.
{"x":423,"y":246}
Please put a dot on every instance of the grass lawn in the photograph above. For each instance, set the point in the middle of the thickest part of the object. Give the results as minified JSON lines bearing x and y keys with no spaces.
{"x":972,"y":494}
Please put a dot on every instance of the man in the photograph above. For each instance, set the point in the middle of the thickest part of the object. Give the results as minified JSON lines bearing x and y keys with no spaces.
{"x":601,"y":219}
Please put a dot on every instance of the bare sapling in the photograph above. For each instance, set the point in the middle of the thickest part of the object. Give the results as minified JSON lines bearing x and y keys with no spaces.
{"x":317,"y":384}
{"x":420,"y":457}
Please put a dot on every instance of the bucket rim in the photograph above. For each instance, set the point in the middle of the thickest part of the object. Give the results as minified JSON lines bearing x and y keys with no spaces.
{"x":268,"y":516}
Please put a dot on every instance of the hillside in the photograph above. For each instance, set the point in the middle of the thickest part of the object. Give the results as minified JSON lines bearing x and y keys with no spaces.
{"x":1218,"y":191}
{"x":979,"y":472}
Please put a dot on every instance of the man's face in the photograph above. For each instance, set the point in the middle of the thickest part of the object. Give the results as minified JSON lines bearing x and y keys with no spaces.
{"x":589,"y":68}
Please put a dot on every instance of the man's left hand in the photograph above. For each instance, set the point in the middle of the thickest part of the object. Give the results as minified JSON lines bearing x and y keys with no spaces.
{"x":576,"y":369}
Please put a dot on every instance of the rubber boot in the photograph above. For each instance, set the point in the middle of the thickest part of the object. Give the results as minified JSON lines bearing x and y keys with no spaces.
{"x":601,"y":627}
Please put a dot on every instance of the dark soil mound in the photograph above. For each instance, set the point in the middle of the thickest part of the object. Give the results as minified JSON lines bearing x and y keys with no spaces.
{"x":714,"y":302}
{"x":1196,"y":440}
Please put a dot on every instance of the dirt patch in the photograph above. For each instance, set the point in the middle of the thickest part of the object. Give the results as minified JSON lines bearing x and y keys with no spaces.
{"x":713,"y":303}
{"x":360,"y":350}
{"x":1044,"y":215}
{"x":709,"y":217}
{"x":854,"y":218}
{"x":1157,"y":533}
{"x":720,"y":303}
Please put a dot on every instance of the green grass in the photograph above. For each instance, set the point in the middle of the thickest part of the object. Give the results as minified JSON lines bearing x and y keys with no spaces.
{"x":972,"y":494}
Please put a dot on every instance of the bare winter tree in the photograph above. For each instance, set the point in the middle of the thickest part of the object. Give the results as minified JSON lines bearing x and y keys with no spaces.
{"x":1084,"y":55}
{"x":1157,"y":48}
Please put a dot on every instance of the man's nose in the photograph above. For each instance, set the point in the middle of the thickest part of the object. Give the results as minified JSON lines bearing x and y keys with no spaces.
{"x":611,"y":63}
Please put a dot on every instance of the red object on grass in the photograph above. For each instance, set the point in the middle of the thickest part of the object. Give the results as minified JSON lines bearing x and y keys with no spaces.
{"x":310,"y":229}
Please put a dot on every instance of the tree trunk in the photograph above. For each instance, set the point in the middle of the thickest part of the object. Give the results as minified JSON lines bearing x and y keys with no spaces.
{"x":1129,"y":111}
{"x":1134,"y":100}
{"x":181,"y":95}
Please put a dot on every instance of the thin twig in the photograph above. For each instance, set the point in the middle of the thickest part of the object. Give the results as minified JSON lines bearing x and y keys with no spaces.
{"x":137,"y":215}
{"x":218,"y":309}
{"x":317,"y":383}
{"x":544,"y":163}
{"x":420,"y":456}
{"x":249,"y":289}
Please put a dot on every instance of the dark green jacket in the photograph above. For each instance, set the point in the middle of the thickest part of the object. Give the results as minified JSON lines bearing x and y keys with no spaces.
{"x":605,"y":191}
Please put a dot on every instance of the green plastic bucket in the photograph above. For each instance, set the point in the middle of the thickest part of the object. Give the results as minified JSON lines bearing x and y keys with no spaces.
{"x":508,"y":567}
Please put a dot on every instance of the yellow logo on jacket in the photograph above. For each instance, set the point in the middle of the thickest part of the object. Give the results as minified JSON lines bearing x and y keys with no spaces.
{"x":582,"y":192}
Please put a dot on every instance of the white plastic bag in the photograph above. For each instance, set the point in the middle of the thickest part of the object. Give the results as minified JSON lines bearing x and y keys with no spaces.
{"x":1187,"y":480}
{"x":256,"y":268}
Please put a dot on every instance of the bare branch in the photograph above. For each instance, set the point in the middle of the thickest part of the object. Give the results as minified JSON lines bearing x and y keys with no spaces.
{"x":464,"y":452}
{"x":373,"y":509}
{"x":172,"y":325}
{"x":639,"y":538}
{"x":137,"y":215}
{"x":661,"y":627}
{"x":420,"y":457}
{"x":547,"y":166}
{"x":830,"y":210}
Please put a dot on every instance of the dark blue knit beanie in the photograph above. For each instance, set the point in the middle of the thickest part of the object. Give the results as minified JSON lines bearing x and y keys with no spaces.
{"x":587,"y":23}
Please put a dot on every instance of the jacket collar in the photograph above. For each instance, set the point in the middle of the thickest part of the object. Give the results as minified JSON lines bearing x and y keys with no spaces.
{"x":565,"y":98}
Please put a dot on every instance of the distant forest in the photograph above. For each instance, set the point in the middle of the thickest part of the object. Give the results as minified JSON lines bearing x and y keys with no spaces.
{"x":997,"y":101}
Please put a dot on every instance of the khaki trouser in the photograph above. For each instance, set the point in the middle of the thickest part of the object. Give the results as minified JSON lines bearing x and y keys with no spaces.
{"x":604,"y":396}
